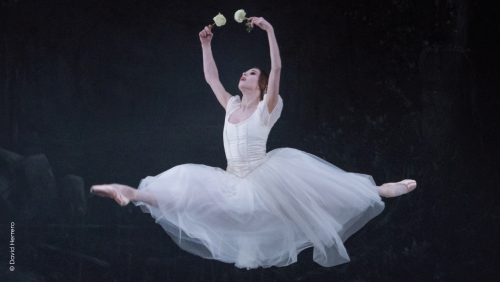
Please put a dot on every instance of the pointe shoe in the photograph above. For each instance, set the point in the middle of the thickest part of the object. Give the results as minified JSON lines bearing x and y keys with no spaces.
{"x":111,"y":192}
{"x":409,"y":183}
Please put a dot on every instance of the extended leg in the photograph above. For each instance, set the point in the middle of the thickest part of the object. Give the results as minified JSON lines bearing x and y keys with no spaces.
{"x":123,"y":194}
{"x":396,"y":189}
{"x":139,"y":195}
{"x":146,"y":197}
{"x":392,"y":191}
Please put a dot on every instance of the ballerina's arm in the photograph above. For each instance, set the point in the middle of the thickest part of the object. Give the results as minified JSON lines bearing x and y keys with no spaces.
{"x":210,"y":69}
{"x":274,"y":75}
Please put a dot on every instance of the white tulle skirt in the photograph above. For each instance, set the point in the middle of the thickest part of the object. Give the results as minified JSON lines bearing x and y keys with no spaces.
{"x":291,"y":202}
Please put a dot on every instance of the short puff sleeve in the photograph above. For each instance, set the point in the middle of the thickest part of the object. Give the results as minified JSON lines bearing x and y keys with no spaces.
{"x":269,"y":119}
{"x":231,"y":102}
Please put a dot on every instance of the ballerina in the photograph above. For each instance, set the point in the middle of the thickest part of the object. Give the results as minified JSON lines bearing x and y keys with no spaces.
{"x":265,"y":207}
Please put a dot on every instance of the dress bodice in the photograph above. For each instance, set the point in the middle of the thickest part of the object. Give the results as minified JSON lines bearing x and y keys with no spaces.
{"x":245,"y":142}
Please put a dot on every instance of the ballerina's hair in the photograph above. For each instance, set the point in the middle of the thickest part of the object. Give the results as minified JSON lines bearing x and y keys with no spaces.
{"x":263,"y":80}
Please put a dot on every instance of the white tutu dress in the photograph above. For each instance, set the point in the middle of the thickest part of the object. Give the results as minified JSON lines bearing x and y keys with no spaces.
{"x":265,"y":207}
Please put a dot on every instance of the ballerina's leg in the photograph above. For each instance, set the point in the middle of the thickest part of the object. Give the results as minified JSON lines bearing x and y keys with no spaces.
{"x":392,"y":191}
{"x":139,"y":195}
{"x":146,"y":197}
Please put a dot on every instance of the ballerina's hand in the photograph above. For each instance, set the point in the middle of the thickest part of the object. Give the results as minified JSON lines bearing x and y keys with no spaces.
{"x":206,"y":34}
{"x":260,"y":22}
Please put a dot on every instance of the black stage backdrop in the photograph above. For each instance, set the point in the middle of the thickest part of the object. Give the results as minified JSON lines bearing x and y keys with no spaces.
{"x":95,"y":92}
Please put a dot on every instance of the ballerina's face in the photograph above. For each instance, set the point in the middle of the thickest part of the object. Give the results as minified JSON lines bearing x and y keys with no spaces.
{"x":250,"y":79}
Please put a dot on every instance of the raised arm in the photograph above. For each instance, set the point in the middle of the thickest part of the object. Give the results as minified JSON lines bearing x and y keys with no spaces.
{"x":275,"y":73}
{"x":210,"y":69}
{"x":273,"y":84}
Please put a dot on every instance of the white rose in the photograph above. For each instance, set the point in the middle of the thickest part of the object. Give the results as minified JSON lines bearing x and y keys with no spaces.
{"x":220,"y":20}
{"x":239,"y":16}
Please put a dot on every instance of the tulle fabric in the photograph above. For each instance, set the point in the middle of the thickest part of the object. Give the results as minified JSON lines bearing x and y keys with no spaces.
{"x":292,"y":201}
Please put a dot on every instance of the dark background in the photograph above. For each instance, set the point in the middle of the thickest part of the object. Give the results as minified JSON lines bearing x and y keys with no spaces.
{"x":95,"y":92}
